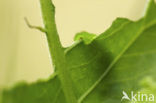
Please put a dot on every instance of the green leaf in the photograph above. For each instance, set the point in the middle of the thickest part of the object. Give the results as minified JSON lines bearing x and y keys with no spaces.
{"x":123,"y":58}
{"x":43,"y":91}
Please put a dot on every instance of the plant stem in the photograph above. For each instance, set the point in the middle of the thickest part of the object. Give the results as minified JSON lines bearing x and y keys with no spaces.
{"x":56,"y":50}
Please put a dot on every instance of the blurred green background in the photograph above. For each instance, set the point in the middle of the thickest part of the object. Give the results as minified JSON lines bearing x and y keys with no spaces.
{"x":24,"y":52}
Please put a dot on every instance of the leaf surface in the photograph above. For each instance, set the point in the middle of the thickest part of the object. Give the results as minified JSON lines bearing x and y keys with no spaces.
{"x":123,"y":58}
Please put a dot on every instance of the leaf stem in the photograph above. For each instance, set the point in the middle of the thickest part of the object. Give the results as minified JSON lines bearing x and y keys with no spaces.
{"x":56,"y":50}
{"x":34,"y":27}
